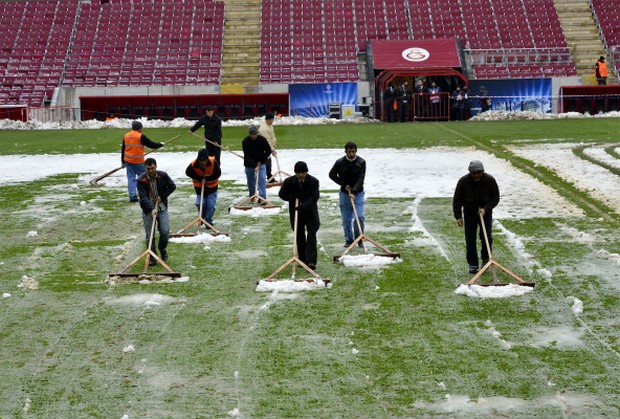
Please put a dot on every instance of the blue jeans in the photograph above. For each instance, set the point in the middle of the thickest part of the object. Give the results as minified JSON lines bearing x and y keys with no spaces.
{"x":133,"y":172}
{"x":472,"y":225}
{"x":348,"y":216}
{"x":250,"y":174}
{"x":163,"y":226}
{"x":208,"y":206}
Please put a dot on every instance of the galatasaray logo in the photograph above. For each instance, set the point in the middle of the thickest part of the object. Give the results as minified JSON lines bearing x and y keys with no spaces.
{"x":416,"y":54}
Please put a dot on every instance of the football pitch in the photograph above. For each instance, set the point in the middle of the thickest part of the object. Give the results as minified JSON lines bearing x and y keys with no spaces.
{"x":391,"y":341}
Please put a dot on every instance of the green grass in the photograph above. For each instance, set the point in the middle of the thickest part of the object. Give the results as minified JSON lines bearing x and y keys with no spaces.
{"x":219,"y":345}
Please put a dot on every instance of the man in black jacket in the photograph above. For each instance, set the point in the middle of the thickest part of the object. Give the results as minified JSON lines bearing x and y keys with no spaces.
{"x":349,"y":172}
{"x":476,"y":195}
{"x":256,"y":151}
{"x":302,"y":194}
{"x":154,"y":188}
{"x":213,"y":131}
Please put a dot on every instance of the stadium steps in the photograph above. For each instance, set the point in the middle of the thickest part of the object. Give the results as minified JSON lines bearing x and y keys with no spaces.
{"x":241,"y":44}
{"x":582,"y":35}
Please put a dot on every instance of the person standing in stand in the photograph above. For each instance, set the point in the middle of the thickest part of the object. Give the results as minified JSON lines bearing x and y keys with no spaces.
{"x":303,"y":189}
{"x":389,"y":102}
{"x":600,"y":71}
{"x":132,"y":156}
{"x":213,"y":132}
{"x":403,"y":101}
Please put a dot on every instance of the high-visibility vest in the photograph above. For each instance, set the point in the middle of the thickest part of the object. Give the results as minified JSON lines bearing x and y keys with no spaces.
{"x":134,"y":149}
{"x":602,"y":69}
{"x":207,"y":171}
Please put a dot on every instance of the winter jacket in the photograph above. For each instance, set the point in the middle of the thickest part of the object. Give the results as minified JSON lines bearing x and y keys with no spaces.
{"x":165,"y":187}
{"x":308,"y":195}
{"x":255,"y":151}
{"x":469,"y":196}
{"x":211,"y":174}
{"x":352,"y":173}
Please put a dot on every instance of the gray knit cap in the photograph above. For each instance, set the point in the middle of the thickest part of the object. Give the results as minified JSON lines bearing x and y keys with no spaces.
{"x":476,"y":166}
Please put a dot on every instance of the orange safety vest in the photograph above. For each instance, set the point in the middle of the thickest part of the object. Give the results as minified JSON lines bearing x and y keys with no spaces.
{"x":207,"y":171}
{"x":134,"y":149}
{"x":602,"y":69}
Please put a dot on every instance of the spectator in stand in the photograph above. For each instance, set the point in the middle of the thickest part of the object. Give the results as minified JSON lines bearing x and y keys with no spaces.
{"x":600,"y":71}
{"x":389,"y":102}
{"x":458,"y":97}
{"x":434,"y":99}
{"x":485,"y":99}
{"x":132,"y":156}
{"x":213,"y":132}
{"x":419,"y":90}
{"x":403,"y":101}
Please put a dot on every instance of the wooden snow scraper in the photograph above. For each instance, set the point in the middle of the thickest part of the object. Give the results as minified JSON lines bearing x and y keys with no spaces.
{"x":359,"y":241}
{"x":198,"y":221}
{"x":294,"y":261}
{"x":145,"y":274}
{"x":492,"y":264}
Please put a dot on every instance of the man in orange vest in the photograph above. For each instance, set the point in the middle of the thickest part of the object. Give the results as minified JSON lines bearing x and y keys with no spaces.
{"x":205,"y":172}
{"x":132,"y":156}
{"x":600,"y":71}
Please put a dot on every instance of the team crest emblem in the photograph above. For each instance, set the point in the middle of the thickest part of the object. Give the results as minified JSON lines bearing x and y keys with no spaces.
{"x":416,"y":54}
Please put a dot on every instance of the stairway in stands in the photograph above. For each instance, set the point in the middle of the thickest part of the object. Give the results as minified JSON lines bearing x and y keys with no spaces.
{"x":583,"y":37}
{"x":241,"y":46}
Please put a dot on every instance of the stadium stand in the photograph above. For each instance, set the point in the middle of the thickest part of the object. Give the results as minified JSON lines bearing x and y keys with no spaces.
{"x":158,"y":42}
{"x":608,"y":14}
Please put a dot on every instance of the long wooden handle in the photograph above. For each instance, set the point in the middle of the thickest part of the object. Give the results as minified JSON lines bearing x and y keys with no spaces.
{"x":217,"y":145}
{"x":93,"y":182}
{"x":486,"y":238}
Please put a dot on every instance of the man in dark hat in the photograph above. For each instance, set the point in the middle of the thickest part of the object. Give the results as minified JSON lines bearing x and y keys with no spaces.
{"x":256,"y":151}
{"x":266,"y":130}
{"x":205,"y":173}
{"x":302,"y":194}
{"x":132,"y":156}
{"x":213,"y":131}
{"x":476,"y":195}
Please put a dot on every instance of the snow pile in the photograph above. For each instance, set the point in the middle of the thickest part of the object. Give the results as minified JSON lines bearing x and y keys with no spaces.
{"x":503,"y":291}
{"x":124,"y":123}
{"x":202,"y":238}
{"x":289,"y":285}
{"x":255,"y":212}
{"x":367,"y":260}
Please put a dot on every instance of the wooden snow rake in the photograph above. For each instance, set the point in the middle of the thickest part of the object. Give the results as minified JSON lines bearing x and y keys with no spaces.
{"x":278,"y":172}
{"x":94,"y":181}
{"x":200,"y":221}
{"x":213,"y":143}
{"x":147,"y":254}
{"x":491,"y":264}
{"x":256,"y":200}
{"x":294,"y":260}
{"x":363,"y":237}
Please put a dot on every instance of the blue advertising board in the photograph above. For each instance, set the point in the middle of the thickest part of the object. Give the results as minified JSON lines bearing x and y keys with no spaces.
{"x":313,"y":100}
{"x":513,"y":94}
